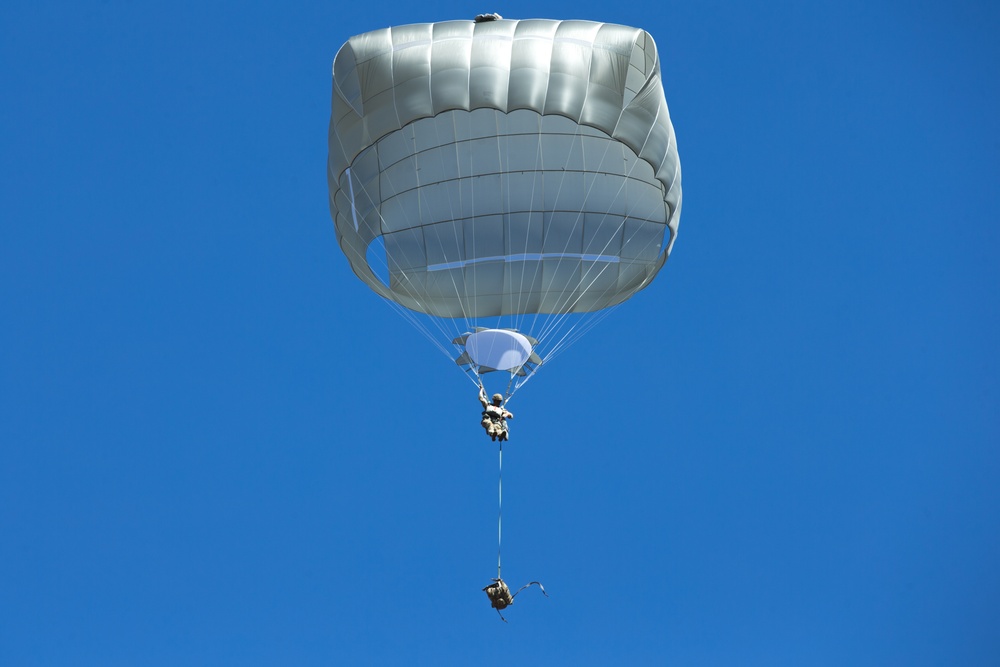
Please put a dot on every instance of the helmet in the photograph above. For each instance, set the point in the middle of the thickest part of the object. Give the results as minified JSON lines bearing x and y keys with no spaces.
{"x":497,"y":398}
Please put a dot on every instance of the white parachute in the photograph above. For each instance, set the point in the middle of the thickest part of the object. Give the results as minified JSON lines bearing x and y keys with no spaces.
{"x":503,"y":182}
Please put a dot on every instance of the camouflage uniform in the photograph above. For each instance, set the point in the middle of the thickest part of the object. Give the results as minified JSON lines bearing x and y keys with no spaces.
{"x":495,"y":416}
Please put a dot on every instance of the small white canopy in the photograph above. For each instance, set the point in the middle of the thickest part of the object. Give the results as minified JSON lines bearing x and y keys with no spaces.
{"x":499,"y":349}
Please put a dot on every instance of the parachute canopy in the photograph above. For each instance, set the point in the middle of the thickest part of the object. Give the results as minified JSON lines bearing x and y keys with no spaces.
{"x":481,"y":169}
{"x":498,"y":350}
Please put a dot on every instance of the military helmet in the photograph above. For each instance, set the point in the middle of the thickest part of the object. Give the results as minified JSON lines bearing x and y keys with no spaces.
{"x":497,"y":398}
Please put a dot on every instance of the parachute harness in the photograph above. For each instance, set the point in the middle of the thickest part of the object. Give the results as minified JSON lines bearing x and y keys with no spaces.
{"x":498,"y":592}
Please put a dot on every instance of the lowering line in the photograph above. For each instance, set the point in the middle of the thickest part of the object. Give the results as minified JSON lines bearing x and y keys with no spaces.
{"x":498,"y":592}
{"x":500,"y":512}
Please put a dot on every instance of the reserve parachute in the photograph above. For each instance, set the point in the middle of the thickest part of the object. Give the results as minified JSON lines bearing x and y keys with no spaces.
{"x":503,"y":182}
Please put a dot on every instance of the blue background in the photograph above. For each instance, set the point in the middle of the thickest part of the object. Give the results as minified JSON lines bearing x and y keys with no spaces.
{"x":218,"y":447}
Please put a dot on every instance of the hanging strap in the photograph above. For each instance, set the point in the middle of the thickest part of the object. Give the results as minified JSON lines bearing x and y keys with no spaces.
{"x":530,"y":583}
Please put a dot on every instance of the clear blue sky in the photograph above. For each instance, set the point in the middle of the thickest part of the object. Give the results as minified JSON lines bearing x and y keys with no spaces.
{"x":218,"y":447}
